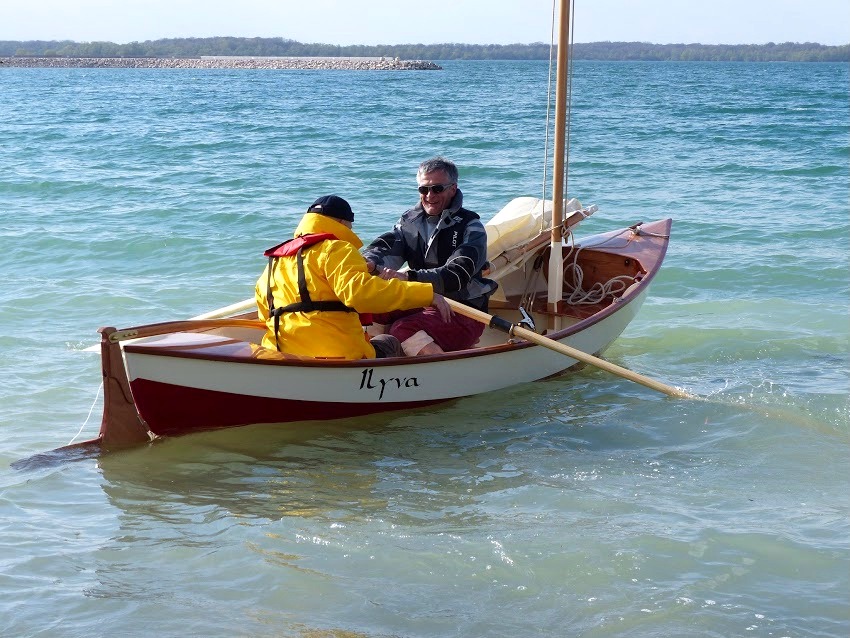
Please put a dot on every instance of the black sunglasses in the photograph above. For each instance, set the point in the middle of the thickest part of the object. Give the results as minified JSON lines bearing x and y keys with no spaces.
{"x":436,"y":188}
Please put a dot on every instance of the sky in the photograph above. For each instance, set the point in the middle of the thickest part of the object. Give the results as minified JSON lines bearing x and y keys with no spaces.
{"x":407,"y":21}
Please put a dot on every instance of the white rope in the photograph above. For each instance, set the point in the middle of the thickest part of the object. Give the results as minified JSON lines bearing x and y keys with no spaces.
{"x":91,"y":409}
{"x":577,"y":296}
{"x":598,"y":292}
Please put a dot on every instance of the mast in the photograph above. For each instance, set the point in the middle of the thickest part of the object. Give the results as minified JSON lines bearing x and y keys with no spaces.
{"x":556,"y":269}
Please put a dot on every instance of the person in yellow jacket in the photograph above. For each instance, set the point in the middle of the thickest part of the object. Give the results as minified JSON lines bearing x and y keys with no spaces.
{"x":316,"y":285}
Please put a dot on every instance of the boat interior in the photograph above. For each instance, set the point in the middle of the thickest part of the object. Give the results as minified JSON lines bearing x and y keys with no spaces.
{"x":599,"y":272}
{"x":593,"y":281}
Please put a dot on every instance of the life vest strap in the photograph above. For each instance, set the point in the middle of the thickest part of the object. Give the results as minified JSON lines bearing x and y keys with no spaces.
{"x":306,"y":304}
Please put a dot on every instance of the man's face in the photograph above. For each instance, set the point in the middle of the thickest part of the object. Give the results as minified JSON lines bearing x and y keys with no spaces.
{"x":435,"y":203}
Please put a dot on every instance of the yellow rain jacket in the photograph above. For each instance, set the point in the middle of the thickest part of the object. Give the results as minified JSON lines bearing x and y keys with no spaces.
{"x":335,"y":271}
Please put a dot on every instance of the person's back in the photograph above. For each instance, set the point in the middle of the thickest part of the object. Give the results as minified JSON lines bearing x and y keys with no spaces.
{"x":335,"y":276}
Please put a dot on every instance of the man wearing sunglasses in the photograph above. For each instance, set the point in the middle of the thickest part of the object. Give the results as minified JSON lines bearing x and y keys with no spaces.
{"x":443,"y":244}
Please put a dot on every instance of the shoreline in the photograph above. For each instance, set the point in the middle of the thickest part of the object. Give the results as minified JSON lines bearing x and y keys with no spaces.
{"x":223,"y":62}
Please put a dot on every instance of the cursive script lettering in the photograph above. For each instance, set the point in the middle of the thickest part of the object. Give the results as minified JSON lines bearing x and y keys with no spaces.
{"x":368,"y":381}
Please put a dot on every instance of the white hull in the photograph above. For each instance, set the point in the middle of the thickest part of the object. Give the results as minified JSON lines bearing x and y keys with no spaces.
{"x":402,"y":380}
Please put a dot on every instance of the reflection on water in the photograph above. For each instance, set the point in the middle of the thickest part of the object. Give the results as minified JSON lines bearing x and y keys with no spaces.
{"x":334,"y":471}
{"x":255,"y":472}
{"x":58,"y":457}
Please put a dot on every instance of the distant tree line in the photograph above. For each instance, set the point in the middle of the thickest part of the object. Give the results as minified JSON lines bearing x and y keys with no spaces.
{"x":196,"y":47}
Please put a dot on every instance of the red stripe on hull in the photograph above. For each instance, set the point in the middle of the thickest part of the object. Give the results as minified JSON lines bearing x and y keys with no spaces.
{"x":170,"y":410}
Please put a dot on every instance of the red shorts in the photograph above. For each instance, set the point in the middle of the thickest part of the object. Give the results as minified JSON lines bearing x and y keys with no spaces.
{"x":458,"y":334}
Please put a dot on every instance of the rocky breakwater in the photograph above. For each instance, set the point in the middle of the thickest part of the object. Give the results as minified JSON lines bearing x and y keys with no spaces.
{"x":223,"y":62}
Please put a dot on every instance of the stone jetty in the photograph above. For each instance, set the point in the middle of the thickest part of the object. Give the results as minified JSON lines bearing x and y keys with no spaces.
{"x":223,"y":62}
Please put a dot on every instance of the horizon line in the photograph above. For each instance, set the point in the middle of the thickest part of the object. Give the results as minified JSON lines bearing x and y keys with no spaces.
{"x":511,"y":44}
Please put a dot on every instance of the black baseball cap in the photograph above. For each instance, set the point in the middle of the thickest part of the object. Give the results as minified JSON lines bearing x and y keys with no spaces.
{"x":332,"y":206}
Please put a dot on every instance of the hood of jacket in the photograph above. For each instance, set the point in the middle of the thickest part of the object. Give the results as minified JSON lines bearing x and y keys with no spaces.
{"x":318,"y":223}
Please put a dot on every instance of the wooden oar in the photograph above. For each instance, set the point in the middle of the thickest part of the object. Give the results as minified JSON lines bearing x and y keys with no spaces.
{"x":232,"y":309}
{"x":529,"y":335}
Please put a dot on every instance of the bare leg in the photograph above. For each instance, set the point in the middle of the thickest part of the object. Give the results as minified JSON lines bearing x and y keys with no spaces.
{"x":419,"y":344}
{"x":431,"y":348}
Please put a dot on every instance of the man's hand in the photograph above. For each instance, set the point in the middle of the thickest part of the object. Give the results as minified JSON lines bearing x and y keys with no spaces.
{"x":389,"y":273}
{"x":442,"y":307}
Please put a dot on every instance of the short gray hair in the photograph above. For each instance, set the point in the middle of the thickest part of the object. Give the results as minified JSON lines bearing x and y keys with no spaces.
{"x":439,"y":164}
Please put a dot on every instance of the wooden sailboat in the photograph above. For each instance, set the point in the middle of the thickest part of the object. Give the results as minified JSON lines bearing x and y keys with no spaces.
{"x":210,"y":371}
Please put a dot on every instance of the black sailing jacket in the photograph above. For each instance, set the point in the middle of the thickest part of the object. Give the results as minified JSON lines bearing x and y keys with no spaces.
{"x":449,"y":254}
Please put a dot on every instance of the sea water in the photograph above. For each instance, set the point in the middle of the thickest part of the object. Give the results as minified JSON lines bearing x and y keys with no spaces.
{"x":579,"y":506}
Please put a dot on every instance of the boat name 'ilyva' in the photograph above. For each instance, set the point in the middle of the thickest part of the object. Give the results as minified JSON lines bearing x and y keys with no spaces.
{"x":368,"y":381}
